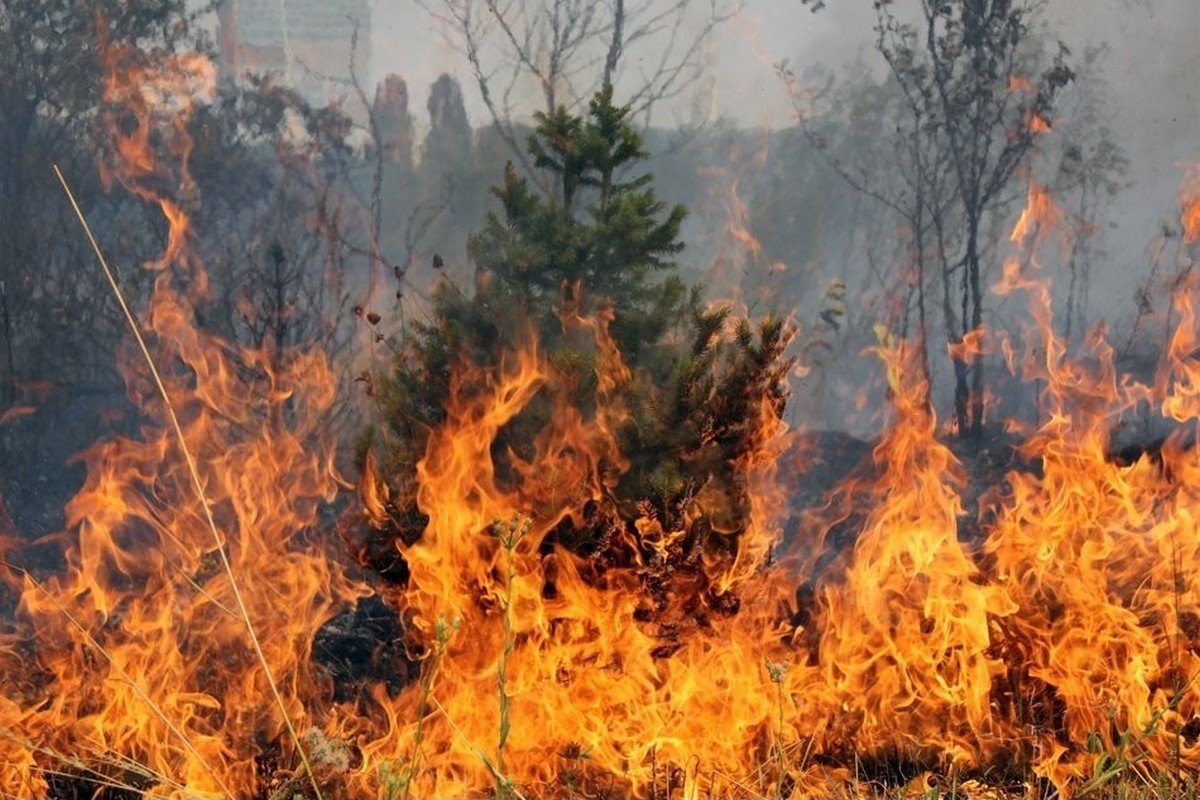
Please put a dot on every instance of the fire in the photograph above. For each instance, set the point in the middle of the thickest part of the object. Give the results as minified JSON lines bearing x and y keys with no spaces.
{"x":133,"y":665}
{"x":1102,"y":637}
{"x":1189,"y":200}
{"x":740,"y":252}
{"x":1040,"y":214}
{"x":1019,"y":83}
{"x":1038,"y":640}
{"x":1050,"y":632}
{"x":907,"y":637}
{"x":552,"y":638}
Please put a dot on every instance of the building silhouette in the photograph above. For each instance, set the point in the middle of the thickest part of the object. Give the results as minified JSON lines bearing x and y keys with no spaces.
{"x":307,"y":44}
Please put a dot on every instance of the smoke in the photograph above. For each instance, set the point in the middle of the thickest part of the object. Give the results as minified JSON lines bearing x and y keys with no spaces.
{"x":1150,"y":100}
{"x":1141,"y":91}
{"x":1149,"y":69}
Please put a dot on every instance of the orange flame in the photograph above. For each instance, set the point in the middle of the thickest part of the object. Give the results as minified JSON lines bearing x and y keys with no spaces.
{"x":1040,"y":214}
{"x":906,"y":646}
{"x":140,"y":655}
{"x":1189,"y":201}
{"x":1019,"y":83}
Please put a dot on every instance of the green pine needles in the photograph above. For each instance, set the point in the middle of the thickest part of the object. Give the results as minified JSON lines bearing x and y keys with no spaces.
{"x":590,"y":239}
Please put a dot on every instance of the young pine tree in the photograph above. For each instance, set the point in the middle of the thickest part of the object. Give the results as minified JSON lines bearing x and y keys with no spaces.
{"x":598,"y":244}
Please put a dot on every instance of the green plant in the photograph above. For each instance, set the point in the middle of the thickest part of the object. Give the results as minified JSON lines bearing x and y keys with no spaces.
{"x":396,"y":777}
{"x":510,"y":534}
{"x":1123,"y":761}
{"x":777,"y":671}
{"x":681,"y":389}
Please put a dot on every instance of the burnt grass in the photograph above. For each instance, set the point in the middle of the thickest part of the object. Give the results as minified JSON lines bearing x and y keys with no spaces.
{"x":369,"y":645}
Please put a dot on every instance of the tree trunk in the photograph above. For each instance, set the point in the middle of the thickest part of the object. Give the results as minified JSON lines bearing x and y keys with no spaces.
{"x":13,"y":255}
{"x":9,"y":393}
{"x":976,"y":323}
{"x":961,"y":392}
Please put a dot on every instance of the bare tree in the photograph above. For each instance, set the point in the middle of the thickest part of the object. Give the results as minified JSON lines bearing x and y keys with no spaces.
{"x":562,"y":51}
{"x":388,"y":127}
{"x":1089,"y":171}
{"x":978,"y":88}
{"x":271,"y":175}
{"x":52,"y":63}
{"x":969,"y":67}
{"x":911,"y":180}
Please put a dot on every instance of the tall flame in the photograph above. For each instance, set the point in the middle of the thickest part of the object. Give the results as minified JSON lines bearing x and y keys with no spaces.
{"x":1189,"y":200}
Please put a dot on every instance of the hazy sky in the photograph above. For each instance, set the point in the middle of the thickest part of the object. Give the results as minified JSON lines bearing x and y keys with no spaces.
{"x":409,"y":42}
{"x":1152,"y":41}
{"x":1151,"y":68}
{"x":1152,"y":71}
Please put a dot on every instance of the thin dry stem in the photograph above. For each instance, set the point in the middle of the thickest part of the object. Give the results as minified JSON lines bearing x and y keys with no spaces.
{"x":141,"y":693}
{"x":78,"y":764}
{"x":482,"y":756}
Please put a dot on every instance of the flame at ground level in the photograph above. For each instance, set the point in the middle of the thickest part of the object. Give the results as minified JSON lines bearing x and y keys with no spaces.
{"x":1059,"y":627}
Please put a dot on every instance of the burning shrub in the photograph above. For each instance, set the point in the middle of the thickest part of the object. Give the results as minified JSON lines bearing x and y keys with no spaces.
{"x":644,"y":404}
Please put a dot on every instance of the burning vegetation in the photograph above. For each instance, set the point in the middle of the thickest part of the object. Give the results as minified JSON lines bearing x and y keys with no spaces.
{"x":584,"y":556}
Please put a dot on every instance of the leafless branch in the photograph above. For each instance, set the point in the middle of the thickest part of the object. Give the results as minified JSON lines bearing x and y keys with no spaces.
{"x":568,"y":49}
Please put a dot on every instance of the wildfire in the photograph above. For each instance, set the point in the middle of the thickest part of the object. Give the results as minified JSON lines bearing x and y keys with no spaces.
{"x":133,"y":666}
{"x":1038,"y":124}
{"x":1057,"y":626}
{"x":1189,"y":200}
{"x":1039,"y":215}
